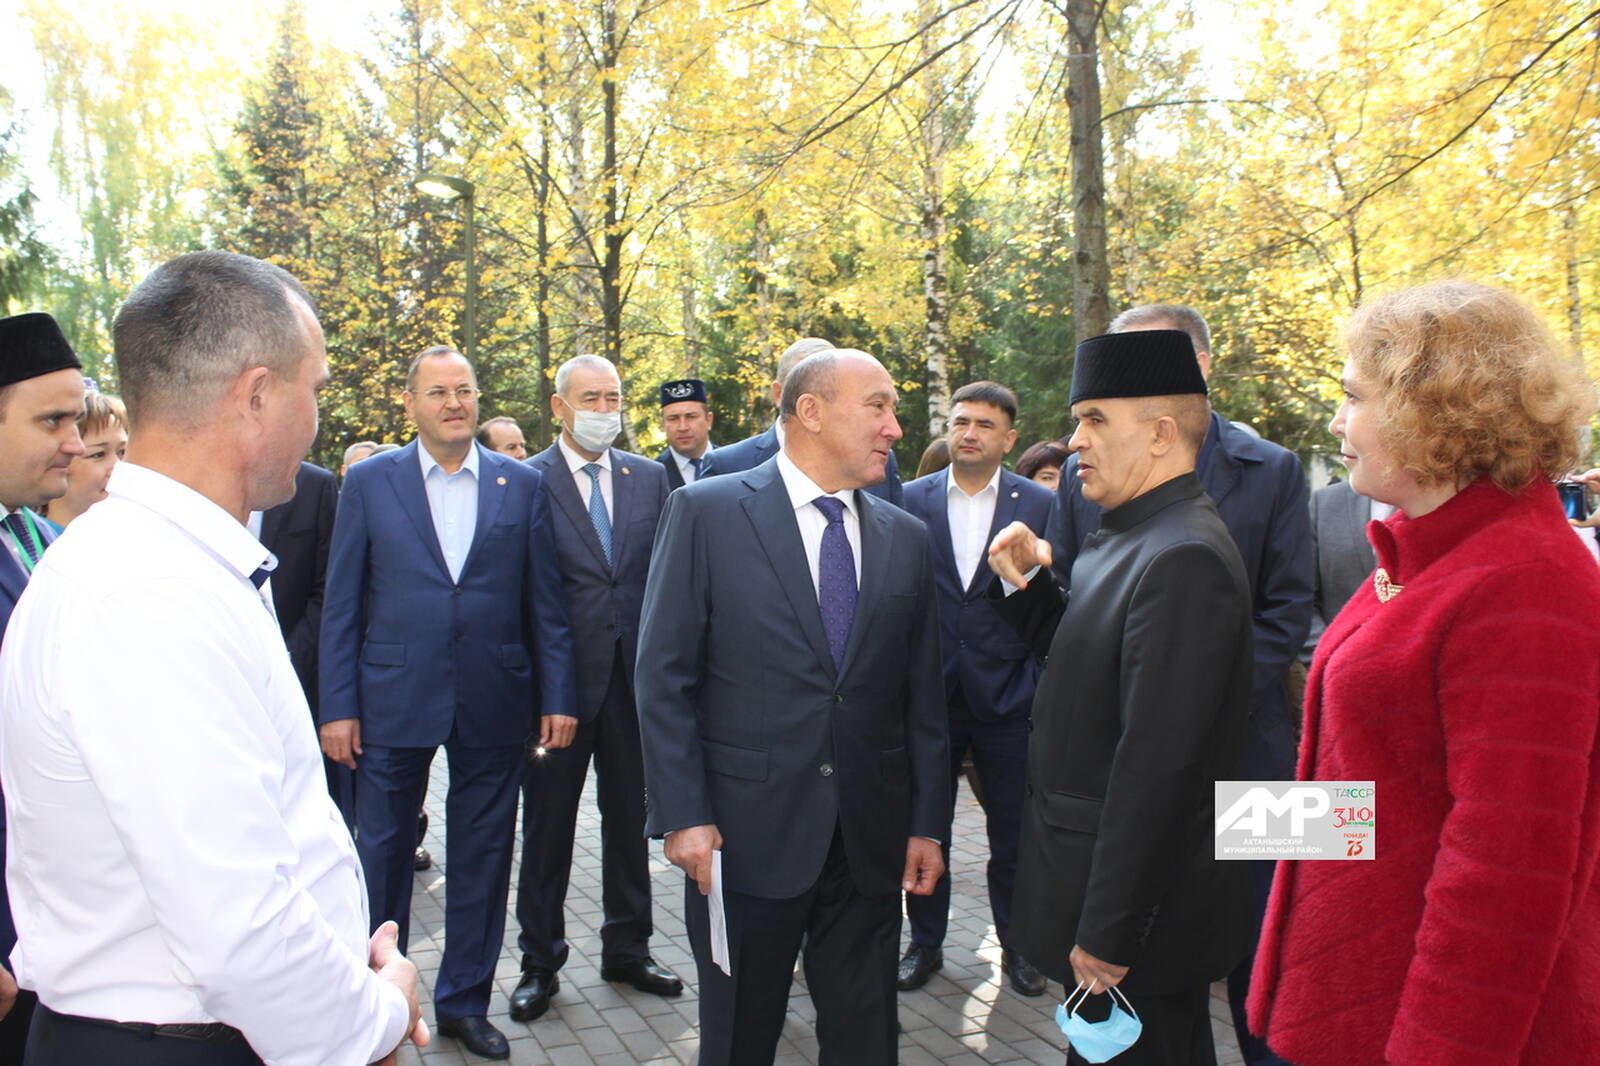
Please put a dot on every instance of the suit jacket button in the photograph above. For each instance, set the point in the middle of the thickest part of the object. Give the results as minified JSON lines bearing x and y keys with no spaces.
{"x":827,"y":770}
{"x":458,"y":590}
{"x":837,"y":698}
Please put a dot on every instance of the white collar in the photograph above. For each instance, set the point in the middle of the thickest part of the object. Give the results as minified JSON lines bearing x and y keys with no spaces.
{"x":576,"y":462}
{"x":469,"y":464}
{"x":951,"y":488}
{"x":803,"y":491}
{"x":198,"y":516}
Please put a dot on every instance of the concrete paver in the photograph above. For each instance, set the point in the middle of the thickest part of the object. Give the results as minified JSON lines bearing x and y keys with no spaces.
{"x":964,"y":1016}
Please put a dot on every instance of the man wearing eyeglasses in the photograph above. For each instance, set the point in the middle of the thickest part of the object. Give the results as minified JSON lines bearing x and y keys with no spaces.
{"x":443,"y":623}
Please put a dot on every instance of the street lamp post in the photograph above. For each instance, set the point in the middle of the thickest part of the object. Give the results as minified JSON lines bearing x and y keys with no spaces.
{"x":447,"y":188}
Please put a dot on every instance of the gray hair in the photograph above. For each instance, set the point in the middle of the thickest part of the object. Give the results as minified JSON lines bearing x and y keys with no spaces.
{"x":800,"y":349}
{"x":1172,"y":316}
{"x":350,"y":452}
{"x":815,"y":374}
{"x":586,"y":362}
{"x":380,"y":449}
{"x":197,"y":323}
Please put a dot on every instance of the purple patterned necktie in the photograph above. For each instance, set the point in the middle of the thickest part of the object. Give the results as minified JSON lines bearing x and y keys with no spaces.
{"x":836,"y":579}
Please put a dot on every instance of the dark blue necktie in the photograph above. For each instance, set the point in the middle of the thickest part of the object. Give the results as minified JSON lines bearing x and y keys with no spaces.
{"x":695,"y":462}
{"x":597,"y":509}
{"x":25,"y":543}
{"x":836,"y":579}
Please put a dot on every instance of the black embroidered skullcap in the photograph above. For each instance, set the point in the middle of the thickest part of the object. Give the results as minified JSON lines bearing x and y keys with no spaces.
{"x":31,"y":346}
{"x":685,"y":389}
{"x":1145,"y":362}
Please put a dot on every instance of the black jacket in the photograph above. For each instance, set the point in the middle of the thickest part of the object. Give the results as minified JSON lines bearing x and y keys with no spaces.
{"x":1141,"y":708}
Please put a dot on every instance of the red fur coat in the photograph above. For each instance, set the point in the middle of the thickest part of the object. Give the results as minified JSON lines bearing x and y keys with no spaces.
{"x":1472,"y":699}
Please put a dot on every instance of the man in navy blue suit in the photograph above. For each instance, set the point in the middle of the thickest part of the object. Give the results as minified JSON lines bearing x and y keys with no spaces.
{"x":41,"y":397}
{"x":604,"y":506}
{"x":443,"y":623}
{"x":753,"y":451}
{"x":1261,"y":492}
{"x":989,"y":671}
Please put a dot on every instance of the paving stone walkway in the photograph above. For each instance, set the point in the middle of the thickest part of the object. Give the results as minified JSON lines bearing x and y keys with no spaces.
{"x":964,"y":1016}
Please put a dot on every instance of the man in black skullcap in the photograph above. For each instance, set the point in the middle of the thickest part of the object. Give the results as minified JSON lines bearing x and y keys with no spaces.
{"x":1140,"y":710}
{"x":41,"y":397}
{"x":686,"y":419}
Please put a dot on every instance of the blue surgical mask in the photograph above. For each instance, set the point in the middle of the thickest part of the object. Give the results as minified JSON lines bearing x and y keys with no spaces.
{"x":1099,"y":1041}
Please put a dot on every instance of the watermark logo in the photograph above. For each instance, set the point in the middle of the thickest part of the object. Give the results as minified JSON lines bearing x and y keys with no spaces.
{"x":1295,"y":819}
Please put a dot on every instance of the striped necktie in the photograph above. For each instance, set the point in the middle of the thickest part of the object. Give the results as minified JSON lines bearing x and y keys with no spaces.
{"x":30,"y":549}
{"x":597,"y":510}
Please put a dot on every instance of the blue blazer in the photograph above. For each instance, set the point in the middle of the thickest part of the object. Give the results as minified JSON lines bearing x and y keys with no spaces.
{"x":1261,"y":492}
{"x":753,"y":451}
{"x":13,"y":579}
{"x":416,"y":656}
{"x":987,"y":664}
{"x":603,"y":601}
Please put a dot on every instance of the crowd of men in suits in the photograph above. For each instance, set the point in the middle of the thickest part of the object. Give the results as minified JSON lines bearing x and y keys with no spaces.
{"x":789,"y":652}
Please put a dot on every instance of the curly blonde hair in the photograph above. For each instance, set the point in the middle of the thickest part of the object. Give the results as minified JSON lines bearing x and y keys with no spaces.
{"x":1472,"y":385}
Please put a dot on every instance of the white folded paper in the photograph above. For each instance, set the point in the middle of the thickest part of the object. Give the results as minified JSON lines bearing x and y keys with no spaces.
{"x":719,"y":919}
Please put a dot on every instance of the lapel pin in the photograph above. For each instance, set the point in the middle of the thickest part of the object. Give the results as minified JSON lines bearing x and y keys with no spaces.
{"x":1015,"y":494}
{"x":499,"y":481}
{"x":625,"y":470}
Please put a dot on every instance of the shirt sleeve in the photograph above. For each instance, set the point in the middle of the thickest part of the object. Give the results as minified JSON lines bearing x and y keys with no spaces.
{"x":184,"y":753}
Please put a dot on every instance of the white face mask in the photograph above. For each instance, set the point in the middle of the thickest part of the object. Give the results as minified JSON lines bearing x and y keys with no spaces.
{"x":595,"y":430}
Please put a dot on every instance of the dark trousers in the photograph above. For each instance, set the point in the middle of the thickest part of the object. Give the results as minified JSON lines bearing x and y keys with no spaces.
{"x":14,"y":1026}
{"x":62,"y":1040}
{"x":480,"y":829}
{"x":551,"y":787}
{"x":342,"y":787}
{"x":851,"y":943}
{"x":1000,"y":755}
{"x":1252,"y":1048}
{"x":1177,"y":1029}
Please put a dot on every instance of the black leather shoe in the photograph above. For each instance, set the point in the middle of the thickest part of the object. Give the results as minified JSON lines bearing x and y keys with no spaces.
{"x":644,"y":975}
{"x":1020,"y":972}
{"x":531,"y":997}
{"x":477,"y":1036}
{"x":916,"y":966}
{"x":423,"y":860}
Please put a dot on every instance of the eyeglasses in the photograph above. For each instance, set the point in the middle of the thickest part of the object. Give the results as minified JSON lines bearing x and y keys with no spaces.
{"x":464,"y":395}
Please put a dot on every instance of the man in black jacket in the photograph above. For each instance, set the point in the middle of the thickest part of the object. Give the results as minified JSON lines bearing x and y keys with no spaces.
{"x":1141,"y":708}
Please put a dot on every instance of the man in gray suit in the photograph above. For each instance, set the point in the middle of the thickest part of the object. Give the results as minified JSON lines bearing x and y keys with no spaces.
{"x":604,"y":505}
{"x":793,"y":718}
{"x":1340,"y":552}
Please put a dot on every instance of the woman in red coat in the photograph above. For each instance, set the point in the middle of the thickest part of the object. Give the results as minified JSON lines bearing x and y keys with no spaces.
{"x":1464,"y":679}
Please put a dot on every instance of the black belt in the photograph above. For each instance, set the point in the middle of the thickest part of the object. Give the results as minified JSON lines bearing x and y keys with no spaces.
{"x":202,"y":1032}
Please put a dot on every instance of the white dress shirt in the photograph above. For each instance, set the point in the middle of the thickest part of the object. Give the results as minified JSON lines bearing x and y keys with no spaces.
{"x":686,"y":465}
{"x":453,"y":502}
{"x":174,"y":855}
{"x":970,"y":519}
{"x":576,"y":464}
{"x":802,"y":491}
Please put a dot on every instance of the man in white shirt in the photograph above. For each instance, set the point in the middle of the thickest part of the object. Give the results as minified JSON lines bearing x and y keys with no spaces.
{"x":686,"y":418}
{"x":183,"y":886}
{"x":990,"y":673}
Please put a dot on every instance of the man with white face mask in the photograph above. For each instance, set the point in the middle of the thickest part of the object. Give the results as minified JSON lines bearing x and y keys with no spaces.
{"x":604,"y":505}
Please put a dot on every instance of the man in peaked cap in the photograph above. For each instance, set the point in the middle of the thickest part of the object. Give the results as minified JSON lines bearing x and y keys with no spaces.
{"x":686,"y":418}
{"x":1140,"y":710}
{"x":41,"y":397}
